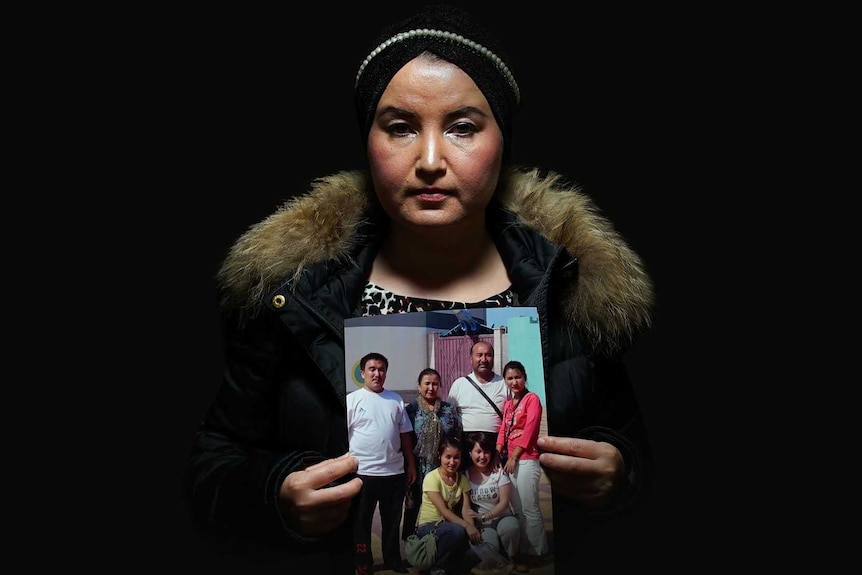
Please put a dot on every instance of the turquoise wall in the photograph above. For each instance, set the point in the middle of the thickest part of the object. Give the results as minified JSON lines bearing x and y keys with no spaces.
{"x":525,"y":345}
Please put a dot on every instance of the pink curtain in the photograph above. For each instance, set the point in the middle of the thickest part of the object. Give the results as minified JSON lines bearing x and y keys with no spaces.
{"x":452,"y":358}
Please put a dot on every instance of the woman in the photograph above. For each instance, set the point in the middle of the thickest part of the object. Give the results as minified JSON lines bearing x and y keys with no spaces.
{"x":439,"y":218}
{"x":432,"y":419}
{"x":518,"y":438}
{"x":490,"y":497}
{"x":446,"y":509}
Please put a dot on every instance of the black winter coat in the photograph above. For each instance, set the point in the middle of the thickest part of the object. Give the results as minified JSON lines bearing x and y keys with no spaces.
{"x":290,"y":281}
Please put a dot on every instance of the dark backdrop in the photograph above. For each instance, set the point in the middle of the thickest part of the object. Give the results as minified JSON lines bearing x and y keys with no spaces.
{"x":252,"y":105}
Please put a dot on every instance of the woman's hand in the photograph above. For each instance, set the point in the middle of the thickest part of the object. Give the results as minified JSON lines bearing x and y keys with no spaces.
{"x":309,"y":506}
{"x":510,"y":466}
{"x":473,"y":533}
{"x":582,"y":470}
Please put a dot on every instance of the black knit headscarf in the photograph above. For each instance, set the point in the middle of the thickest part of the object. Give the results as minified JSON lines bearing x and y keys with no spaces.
{"x":449,"y":32}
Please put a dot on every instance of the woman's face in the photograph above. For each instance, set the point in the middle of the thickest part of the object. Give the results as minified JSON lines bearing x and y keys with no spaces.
{"x":480,"y":457}
{"x":429,"y":387}
{"x":450,"y":459}
{"x":515,"y":380}
{"x":434,"y":149}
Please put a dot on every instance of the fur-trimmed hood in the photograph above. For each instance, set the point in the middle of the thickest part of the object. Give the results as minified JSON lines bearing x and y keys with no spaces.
{"x":612,"y":300}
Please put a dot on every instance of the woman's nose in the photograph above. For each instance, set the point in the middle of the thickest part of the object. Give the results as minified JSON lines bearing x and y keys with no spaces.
{"x":431,"y":157}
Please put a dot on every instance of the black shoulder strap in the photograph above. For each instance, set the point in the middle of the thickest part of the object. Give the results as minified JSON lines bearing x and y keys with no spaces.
{"x":494,"y":405}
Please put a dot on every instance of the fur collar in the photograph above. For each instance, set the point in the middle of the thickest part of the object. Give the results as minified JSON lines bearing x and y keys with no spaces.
{"x":614,"y":295}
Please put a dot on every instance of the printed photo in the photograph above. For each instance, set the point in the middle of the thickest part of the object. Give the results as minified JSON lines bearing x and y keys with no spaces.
{"x":443,"y":412}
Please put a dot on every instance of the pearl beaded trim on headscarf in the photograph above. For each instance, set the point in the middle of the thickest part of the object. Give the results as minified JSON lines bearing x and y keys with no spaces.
{"x":501,"y":66}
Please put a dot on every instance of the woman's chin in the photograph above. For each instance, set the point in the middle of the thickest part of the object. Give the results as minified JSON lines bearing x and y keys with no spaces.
{"x":431,"y":218}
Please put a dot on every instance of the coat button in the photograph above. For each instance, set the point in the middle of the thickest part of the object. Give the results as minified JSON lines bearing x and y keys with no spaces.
{"x":278,"y":301}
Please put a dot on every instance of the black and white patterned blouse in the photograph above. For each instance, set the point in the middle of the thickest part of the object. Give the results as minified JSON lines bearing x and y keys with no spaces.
{"x":378,"y":301}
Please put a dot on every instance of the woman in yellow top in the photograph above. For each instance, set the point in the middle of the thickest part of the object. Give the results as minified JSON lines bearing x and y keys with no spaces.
{"x":445,"y":504}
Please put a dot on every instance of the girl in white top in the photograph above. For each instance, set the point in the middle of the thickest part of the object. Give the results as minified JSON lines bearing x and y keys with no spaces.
{"x":490,"y":493}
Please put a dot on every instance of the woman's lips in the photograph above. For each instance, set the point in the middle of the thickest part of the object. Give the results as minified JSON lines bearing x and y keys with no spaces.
{"x":431,"y":195}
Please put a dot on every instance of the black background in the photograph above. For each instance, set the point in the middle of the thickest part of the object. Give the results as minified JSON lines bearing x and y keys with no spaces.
{"x":249,"y":106}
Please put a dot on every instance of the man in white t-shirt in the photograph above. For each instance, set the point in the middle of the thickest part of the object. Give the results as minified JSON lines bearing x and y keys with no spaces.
{"x":477,"y":413}
{"x":378,"y":431}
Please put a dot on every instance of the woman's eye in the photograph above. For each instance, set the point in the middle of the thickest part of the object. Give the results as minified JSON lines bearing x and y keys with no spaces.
{"x":399,"y":128}
{"x":463,"y":128}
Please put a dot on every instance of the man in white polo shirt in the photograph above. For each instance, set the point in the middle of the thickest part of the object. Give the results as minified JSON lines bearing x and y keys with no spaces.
{"x":378,"y":431}
{"x":477,"y":413}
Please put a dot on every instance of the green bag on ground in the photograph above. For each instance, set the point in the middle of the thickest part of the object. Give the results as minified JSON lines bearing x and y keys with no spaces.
{"x":422,"y":551}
